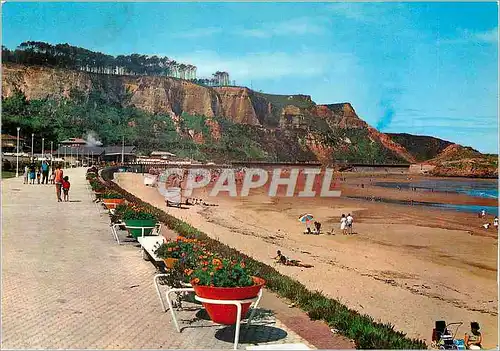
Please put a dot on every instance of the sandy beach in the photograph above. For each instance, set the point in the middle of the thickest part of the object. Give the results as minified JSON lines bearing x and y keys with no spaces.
{"x":406,"y":265}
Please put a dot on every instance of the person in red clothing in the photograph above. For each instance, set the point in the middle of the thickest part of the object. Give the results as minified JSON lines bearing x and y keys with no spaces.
{"x":65,"y":188}
{"x":58,"y":178}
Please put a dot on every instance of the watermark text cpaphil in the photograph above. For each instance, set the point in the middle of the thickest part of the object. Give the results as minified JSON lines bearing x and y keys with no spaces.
{"x":306,"y":182}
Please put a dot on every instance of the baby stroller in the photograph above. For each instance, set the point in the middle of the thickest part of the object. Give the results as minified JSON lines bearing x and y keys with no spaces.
{"x":444,"y":339}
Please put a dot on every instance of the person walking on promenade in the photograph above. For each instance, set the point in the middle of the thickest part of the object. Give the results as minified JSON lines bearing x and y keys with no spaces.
{"x":25,"y":175}
{"x":65,"y":186}
{"x":45,"y":172}
{"x":32,"y":171}
{"x":58,"y":179}
{"x":38,"y":174}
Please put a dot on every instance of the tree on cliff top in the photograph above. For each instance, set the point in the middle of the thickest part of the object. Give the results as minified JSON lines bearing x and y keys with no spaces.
{"x":73,"y":57}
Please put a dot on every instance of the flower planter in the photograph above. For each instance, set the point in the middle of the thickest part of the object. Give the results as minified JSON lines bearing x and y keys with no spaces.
{"x":112,"y":203}
{"x":226,"y":314}
{"x":170,"y":262}
{"x":136,"y":233}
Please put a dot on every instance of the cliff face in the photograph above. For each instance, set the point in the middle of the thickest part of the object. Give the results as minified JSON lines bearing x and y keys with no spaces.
{"x":236,"y":103}
{"x":149,"y":93}
{"x":290,"y":117}
{"x":343,"y":115}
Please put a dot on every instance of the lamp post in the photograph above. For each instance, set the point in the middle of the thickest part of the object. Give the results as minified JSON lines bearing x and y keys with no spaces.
{"x":123,"y":149}
{"x":43,"y":144}
{"x":51,"y":156}
{"x":17,"y":153}
{"x":32,"y":143}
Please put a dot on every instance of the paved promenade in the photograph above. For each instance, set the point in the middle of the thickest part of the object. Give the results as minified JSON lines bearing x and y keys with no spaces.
{"x":67,"y":284}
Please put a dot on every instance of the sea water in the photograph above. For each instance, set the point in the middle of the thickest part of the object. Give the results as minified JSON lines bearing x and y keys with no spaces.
{"x":472,"y":187}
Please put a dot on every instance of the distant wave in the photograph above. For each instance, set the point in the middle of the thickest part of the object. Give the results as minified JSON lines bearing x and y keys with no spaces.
{"x":489,"y":194}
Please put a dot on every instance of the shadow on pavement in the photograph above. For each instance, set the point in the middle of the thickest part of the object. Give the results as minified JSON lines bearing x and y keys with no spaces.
{"x":254,"y":334}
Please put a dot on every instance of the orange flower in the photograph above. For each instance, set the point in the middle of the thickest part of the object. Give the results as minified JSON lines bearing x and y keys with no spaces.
{"x":242,"y":264}
{"x":216,"y":262}
{"x":188,"y":272}
{"x":205,"y":263}
{"x":196,"y":280}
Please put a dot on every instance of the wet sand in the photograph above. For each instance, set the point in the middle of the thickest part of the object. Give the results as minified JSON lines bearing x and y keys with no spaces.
{"x":405,"y":265}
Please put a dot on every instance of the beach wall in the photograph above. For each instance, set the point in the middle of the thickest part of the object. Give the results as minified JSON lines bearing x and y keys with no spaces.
{"x":381,"y":169}
{"x":420,"y":168}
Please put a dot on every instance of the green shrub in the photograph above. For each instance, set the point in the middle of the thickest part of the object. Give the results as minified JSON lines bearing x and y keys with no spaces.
{"x":112,"y":195}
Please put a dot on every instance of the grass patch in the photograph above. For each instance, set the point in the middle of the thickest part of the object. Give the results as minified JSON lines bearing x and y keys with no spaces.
{"x":8,"y":174}
{"x":363,"y":329}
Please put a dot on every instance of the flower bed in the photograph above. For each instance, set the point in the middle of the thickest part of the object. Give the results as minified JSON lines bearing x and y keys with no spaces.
{"x":97,"y":186}
{"x":183,"y":250}
{"x":363,"y":329}
{"x":137,"y":216}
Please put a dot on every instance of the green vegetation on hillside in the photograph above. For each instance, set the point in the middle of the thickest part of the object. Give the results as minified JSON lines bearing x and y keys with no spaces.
{"x":75,"y":117}
{"x":280,"y":101}
{"x":79,"y":115}
{"x":422,"y":147}
{"x":57,"y":120}
{"x":355,"y":145}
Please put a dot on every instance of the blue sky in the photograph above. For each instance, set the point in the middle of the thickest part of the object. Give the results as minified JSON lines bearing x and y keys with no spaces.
{"x":421,"y":68}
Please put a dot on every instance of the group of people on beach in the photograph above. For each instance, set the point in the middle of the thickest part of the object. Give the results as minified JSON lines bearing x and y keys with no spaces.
{"x":346,"y":224}
{"x":487,"y":225}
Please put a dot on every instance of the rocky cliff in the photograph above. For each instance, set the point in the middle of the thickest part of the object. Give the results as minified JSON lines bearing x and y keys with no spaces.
{"x":458,"y":161}
{"x":316,"y":128}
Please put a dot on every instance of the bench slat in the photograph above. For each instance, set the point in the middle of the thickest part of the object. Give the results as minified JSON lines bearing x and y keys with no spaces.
{"x":150,"y":243}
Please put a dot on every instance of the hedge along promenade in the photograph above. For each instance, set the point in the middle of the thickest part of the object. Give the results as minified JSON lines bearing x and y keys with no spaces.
{"x":363,"y":329}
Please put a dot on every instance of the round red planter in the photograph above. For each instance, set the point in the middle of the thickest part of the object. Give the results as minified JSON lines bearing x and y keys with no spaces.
{"x":226,"y":314}
{"x":112,"y":203}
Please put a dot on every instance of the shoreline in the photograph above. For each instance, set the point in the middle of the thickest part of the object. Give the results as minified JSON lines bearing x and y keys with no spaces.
{"x":400,"y":257}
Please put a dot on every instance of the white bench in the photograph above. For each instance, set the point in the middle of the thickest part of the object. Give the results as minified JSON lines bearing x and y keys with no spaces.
{"x":149,"y":244}
{"x":149,"y":181}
